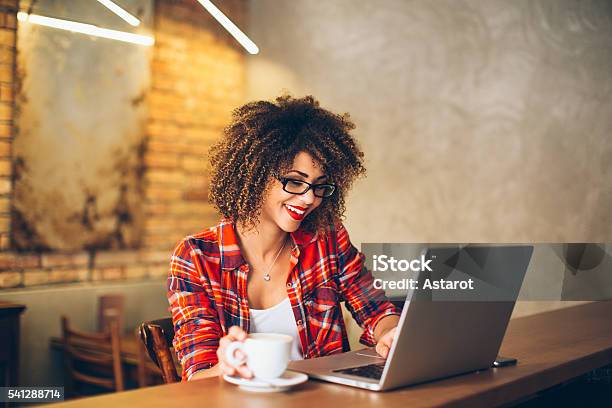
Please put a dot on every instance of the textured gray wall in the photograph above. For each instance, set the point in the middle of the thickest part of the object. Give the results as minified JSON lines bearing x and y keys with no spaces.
{"x":482,"y":121}
{"x":82,"y":107}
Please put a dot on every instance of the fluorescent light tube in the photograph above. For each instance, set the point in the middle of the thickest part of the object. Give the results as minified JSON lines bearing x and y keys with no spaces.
{"x":130,"y":19}
{"x":88,"y":29}
{"x":230,"y":27}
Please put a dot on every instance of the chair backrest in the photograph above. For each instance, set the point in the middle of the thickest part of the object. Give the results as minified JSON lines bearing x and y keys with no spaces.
{"x":110,"y":308}
{"x":157,"y":336}
{"x":101,"y":352}
{"x":148,"y":373}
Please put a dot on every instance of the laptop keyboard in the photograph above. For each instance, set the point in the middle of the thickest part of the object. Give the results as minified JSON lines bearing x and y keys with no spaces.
{"x":373,"y":371}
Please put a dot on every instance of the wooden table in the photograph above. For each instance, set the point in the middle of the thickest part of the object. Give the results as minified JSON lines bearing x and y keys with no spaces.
{"x":552,"y":348}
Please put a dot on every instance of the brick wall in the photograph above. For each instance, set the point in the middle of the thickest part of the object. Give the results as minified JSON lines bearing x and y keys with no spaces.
{"x":198,"y":77}
{"x":8,"y":28}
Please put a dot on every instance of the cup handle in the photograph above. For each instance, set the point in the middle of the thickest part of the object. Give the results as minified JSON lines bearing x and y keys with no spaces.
{"x":231,"y":349}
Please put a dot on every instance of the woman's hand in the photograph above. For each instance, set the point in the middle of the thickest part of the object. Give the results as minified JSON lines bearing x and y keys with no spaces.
{"x":384,"y":343}
{"x":235,"y":333}
{"x":384,"y":333}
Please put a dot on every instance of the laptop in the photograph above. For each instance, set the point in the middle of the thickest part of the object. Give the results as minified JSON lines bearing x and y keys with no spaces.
{"x":440,"y":333}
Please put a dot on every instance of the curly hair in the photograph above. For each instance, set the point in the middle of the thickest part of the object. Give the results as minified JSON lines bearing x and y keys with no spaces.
{"x":262,"y":142}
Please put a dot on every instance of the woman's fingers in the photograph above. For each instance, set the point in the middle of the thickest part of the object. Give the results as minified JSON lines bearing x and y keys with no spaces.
{"x":389,"y":336}
{"x":226,"y":369}
{"x":384,"y":344}
{"x":234,"y":333}
{"x":237,"y":333}
{"x":244,"y":371}
{"x":224,"y":342}
{"x":382,"y":349}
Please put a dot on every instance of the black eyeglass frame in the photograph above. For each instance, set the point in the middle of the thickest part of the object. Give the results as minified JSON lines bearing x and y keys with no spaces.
{"x":285,"y":180}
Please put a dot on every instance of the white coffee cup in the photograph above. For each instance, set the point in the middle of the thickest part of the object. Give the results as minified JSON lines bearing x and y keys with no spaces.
{"x":266,"y":354}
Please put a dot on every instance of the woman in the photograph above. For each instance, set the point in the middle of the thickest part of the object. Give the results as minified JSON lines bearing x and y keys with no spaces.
{"x":280,"y":261}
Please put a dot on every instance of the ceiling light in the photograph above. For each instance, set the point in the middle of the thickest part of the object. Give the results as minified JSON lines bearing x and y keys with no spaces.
{"x":112,"y":6}
{"x":88,"y":29}
{"x":230,"y":27}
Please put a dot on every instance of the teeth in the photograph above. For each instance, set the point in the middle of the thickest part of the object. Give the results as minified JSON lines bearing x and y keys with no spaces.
{"x":295,"y":210}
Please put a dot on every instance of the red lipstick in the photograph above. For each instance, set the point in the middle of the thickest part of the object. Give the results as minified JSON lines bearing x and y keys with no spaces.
{"x":295,"y":215}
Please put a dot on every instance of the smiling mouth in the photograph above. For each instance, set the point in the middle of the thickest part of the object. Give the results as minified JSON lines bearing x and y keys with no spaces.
{"x":297,"y":213}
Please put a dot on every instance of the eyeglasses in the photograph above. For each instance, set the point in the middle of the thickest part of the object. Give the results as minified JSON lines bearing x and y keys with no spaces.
{"x":294,"y":186}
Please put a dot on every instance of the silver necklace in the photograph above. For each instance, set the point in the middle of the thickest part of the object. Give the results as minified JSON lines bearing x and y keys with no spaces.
{"x":266,"y":276}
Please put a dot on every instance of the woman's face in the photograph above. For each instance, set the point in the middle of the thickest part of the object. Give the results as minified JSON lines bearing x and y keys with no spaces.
{"x":288,"y":210}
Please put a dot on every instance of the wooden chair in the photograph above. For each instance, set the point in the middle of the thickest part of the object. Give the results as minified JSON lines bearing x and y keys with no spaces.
{"x":157,"y":335}
{"x":148,"y":373}
{"x":110,"y":309}
{"x":101,"y":368}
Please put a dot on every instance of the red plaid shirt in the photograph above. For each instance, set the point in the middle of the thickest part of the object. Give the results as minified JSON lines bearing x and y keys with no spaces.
{"x":207,"y":292}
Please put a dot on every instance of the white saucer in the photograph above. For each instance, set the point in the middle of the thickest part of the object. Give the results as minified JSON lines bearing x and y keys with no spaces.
{"x":282,"y":383}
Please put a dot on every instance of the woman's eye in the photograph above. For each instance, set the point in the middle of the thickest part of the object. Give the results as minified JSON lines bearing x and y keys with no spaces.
{"x":295,"y":183}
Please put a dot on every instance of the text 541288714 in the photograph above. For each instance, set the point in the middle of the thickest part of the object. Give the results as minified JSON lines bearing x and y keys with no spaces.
{"x":31,"y":394}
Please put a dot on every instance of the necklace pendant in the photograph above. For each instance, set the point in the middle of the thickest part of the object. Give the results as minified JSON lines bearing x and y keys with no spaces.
{"x":267,"y":277}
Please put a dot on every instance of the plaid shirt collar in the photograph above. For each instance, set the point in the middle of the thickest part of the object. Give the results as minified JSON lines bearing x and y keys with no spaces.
{"x":230,"y":255}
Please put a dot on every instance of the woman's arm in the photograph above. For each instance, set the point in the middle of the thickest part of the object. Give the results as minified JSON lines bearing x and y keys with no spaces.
{"x":384,"y":325}
{"x":368,"y":306}
{"x":384,"y":333}
{"x":213,"y":371}
{"x":196,"y":325}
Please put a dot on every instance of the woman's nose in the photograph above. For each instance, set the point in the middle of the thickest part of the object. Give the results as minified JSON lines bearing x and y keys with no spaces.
{"x":308,"y":197}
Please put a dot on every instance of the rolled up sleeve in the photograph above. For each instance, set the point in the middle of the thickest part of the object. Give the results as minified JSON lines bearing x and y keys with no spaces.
{"x":196,"y":324}
{"x":366,"y":304}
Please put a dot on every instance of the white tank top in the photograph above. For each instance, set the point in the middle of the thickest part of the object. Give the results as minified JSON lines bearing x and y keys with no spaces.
{"x":277,"y":319}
